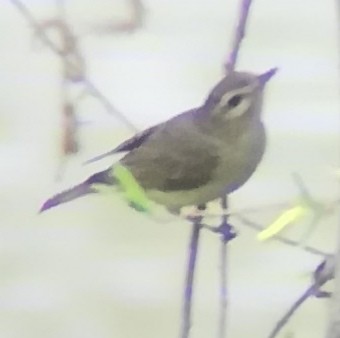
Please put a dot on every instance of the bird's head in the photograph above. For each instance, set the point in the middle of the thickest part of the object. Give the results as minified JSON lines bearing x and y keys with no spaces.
{"x":237,"y":94}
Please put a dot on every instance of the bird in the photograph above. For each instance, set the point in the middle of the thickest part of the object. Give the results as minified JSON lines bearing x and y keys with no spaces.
{"x":195,"y":157}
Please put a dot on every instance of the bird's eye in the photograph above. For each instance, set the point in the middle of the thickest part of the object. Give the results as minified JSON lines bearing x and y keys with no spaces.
{"x":235,"y":101}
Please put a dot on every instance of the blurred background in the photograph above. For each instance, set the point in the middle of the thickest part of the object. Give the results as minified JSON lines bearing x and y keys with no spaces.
{"x":95,"y":267}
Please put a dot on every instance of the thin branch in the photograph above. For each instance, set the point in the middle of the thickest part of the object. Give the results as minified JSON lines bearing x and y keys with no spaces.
{"x":239,"y":35}
{"x":223,"y":270}
{"x":282,"y":239}
{"x":189,"y":283}
{"x":284,"y":320}
{"x":227,"y":234}
{"x":328,"y":207}
{"x":333,"y":330}
{"x":318,"y":209}
{"x":74,"y":70}
{"x":225,"y":228}
{"x":86,"y":81}
{"x":304,"y":192}
{"x":108,"y":105}
{"x":222,"y":328}
{"x":322,"y":274}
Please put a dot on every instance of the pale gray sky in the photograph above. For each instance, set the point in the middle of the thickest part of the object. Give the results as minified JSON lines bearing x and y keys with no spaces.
{"x":95,"y":268}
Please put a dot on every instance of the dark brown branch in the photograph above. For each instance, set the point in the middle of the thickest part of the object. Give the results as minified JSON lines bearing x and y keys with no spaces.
{"x":86,"y":81}
{"x":73,"y":71}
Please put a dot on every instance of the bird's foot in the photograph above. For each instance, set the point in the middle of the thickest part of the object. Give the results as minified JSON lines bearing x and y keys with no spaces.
{"x":227,"y":231}
{"x":193,"y":214}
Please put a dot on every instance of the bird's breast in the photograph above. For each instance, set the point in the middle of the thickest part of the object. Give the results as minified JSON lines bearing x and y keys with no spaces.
{"x":237,"y":162}
{"x":240,"y":158}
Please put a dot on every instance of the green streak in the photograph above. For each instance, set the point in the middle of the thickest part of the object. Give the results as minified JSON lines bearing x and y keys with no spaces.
{"x":134,"y":193}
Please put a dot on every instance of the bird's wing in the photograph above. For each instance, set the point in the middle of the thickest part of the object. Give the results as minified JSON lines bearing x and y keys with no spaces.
{"x":194,"y":171}
{"x":174,"y":159}
{"x":136,"y":141}
{"x":128,"y":145}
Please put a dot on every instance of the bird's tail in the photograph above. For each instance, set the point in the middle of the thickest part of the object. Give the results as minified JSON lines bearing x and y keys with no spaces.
{"x":82,"y":189}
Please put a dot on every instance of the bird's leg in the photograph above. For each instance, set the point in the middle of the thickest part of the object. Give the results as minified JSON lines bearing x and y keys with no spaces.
{"x":195,"y":212}
{"x":226,"y":229}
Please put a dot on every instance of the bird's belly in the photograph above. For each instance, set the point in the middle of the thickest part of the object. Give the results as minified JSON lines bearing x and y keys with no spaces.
{"x":180,"y":198}
{"x":237,"y":164}
{"x":225,"y":181}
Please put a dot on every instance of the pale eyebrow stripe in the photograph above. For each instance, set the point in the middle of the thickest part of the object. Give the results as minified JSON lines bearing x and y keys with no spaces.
{"x":244,"y":90}
{"x":239,"y":110}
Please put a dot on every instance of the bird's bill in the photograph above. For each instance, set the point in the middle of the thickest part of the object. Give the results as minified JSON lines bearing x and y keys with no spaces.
{"x":265,"y":77}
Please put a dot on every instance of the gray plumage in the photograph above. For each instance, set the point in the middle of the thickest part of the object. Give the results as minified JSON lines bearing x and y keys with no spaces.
{"x":198,"y":155}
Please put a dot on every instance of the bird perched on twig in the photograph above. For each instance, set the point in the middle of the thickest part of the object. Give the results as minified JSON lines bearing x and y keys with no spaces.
{"x":197,"y":156}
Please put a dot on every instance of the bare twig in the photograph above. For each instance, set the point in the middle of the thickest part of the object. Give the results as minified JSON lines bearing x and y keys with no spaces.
{"x":227,"y":232}
{"x":225,"y":228}
{"x":322,"y":274}
{"x":318,"y":209}
{"x":86,"y":81}
{"x":304,"y":192}
{"x":239,"y":35}
{"x":329,"y":207}
{"x":223,"y":271}
{"x":74,"y":67}
{"x":282,"y":239}
{"x":283,"y":321}
{"x":108,"y":105}
{"x":333,"y":330}
{"x":189,"y":283}
{"x":74,"y":70}
{"x":222,"y":327}
{"x":69,"y":141}
{"x":334,"y":324}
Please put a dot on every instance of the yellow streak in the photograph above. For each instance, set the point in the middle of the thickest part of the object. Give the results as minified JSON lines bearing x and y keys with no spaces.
{"x":134,"y":193}
{"x":286,"y":218}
